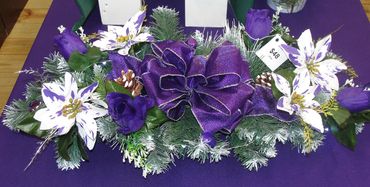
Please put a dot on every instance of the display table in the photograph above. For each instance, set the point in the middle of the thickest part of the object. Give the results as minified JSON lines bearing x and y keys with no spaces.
{"x":331,"y":165}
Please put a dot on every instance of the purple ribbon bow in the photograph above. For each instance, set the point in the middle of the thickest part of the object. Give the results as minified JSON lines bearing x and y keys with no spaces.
{"x":216,"y":88}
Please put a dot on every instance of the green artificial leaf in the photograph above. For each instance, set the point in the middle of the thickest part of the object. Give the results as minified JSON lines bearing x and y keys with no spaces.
{"x":361,"y":117}
{"x":346,"y":136}
{"x":81,"y":148}
{"x":64,"y":142}
{"x":142,"y":49}
{"x":288,"y":38}
{"x":155,"y":118}
{"x":341,"y":116}
{"x":31,"y":126}
{"x":81,"y":62}
{"x":111,"y":86}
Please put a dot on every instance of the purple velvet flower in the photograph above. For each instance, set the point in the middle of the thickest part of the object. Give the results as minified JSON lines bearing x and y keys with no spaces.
{"x":129,"y":113}
{"x":258,"y":23}
{"x":354,"y":99}
{"x":68,"y":42}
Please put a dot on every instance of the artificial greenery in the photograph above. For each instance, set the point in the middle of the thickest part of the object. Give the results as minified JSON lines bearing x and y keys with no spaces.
{"x":166,"y":24}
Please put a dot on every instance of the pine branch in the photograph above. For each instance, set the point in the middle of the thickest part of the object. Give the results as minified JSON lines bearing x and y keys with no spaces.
{"x":75,"y":152}
{"x":297,"y":138}
{"x":256,"y":66}
{"x":55,"y":65}
{"x":107,"y":129}
{"x":205,"y":43}
{"x":166,"y":24}
{"x":234,"y":34}
{"x":15,"y":113}
{"x":254,"y":140}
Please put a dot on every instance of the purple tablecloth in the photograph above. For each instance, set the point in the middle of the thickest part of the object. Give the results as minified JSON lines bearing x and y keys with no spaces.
{"x":331,"y":165}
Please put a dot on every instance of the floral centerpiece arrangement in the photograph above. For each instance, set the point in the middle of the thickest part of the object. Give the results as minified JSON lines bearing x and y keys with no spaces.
{"x":158,"y":95}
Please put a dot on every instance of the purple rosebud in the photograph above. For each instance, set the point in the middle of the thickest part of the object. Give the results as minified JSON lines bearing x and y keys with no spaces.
{"x":209,"y":139}
{"x":192,"y":42}
{"x":129,"y":113}
{"x":258,"y":23}
{"x":68,"y":42}
{"x":354,"y":99}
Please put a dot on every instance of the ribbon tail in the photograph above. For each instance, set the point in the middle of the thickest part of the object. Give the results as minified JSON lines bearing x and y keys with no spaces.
{"x":264,"y":103}
{"x":211,"y":120}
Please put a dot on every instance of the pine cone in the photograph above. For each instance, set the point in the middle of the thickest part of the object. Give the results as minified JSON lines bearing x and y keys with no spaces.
{"x":129,"y":81}
{"x":264,"y":79}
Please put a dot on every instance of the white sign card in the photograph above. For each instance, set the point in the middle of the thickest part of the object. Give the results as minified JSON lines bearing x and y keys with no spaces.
{"x":205,"y":13}
{"x":118,"y":12}
{"x":272,"y":54}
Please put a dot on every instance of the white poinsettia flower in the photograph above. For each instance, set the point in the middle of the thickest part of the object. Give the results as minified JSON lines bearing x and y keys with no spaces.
{"x":122,"y":38}
{"x":311,"y":58}
{"x":299,"y":100}
{"x":67,"y":106}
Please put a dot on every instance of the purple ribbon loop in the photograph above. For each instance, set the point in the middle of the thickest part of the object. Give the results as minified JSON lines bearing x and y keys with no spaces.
{"x":215,"y":88}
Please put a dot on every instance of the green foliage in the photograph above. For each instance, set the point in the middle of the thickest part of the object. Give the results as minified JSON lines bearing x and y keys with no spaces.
{"x":297,"y":136}
{"x":81,"y":62}
{"x":70,"y":150}
{"x":346,"y":136}
{"x":111,"y":86}
{"x":19,"y":118}
{"x":65,"y":142}
{"x":155,"y":117}
{"x":235,"y":34}
{"x":346,"y":132}
{"x":141,"y":49}
{"x":166,"y":24}
{"x":256,"y":66}
{"x":107,"y":128}
{"x":205,"y":44}
{"x":99,"y":76}
{"x":30,"y":126}
{"x":278,"y":28}
{"x":253,"y":141}
{"x":340,"y":116}
{"x":55,"y":65}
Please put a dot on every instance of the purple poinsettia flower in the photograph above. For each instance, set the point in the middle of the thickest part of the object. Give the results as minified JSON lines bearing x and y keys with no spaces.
{"x":129,"y":113}
{"x":68,"y":42}
{"x":355,"y":99}
{"x":311,"y":59}
{"x":258,"y":23}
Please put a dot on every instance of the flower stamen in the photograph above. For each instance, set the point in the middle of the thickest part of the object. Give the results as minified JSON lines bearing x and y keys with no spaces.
{"x":313,"y":68}
{"x":122,"y":39}
{"x":72,"y":109}
{"x":297,"y":99}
